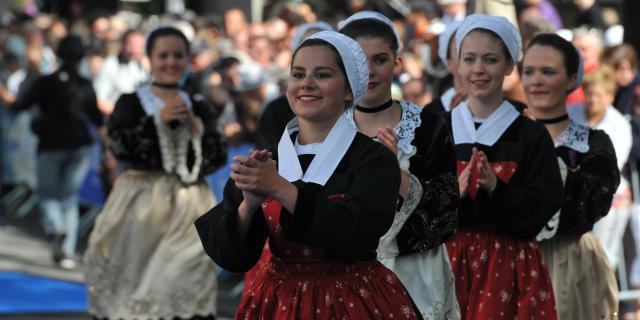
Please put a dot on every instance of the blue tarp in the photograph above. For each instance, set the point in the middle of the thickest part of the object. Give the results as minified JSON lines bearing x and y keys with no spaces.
{"x":21,"y":293}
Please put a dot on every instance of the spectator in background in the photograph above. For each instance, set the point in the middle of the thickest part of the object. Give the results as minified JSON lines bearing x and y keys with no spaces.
{"x":453,"y":10}
{"x":253,"y":92}
{"x":530,"y":28}
{"x":417,"y":91}
{"x":590,"y":44}
{"x":624,"y":60}
{"x":68,"y":106}
{"x":589,"y":14}
{"x":122,"y":73}
{"x":546,"y":11}
{"x":234,"y":22}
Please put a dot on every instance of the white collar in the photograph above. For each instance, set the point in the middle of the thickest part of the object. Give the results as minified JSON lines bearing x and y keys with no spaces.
{"x":446,"y":98}
{"x":152,"y":104}
{"x":575,"y":136}
{"x":329,"y":155}
{"x":464,"y":130}
{"x":310,"y":148}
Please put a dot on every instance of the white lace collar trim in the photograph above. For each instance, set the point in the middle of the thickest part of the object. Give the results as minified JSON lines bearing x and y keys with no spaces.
{"x":575,"y":136}
{"x":405,"y":129}
{"x":464,"y":130}
{"x":329,"y":155}
{"x":152,"y":104}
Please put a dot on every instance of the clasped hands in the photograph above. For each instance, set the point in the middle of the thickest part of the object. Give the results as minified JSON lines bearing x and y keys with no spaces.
{"x":177,"y":110}
{"x":479,"y":163}
{"x":256,"y":175}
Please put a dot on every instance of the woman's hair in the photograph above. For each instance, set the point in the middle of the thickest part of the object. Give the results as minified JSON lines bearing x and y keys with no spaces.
{"x":613,"y":56}
{"x":70,"y":50}
{"x":603,"y":76}
{"x":570,"y":55}
{"x":164,"y":32}
{"x":320,"y":42}
{"x":372,"y":28}
{"x":505,"y":50}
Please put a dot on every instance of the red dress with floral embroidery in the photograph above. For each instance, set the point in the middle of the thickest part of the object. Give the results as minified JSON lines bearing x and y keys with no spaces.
{"x":300,"y":283}
{"x":324,"y":262}
{"x":499,"y":269}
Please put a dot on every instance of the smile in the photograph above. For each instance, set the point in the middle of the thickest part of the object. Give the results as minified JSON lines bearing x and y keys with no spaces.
{"x":308,"y":98}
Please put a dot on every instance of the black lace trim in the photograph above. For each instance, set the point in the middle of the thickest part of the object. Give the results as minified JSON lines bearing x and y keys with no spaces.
{"x":435,"y":219}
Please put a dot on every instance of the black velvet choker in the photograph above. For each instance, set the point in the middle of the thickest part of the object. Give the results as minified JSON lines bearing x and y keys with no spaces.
{"x":379,"y":108}
{"x":554,"y":120}
{"x":165,"y":85}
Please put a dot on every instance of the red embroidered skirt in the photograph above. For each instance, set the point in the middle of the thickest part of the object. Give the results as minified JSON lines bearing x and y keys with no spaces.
{"x":324,"y":289}
{"x":251,"y":274}
{"x":498,"y":277}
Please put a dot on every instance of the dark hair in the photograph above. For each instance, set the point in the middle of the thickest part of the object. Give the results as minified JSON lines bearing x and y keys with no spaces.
{"x":625,"y":51}
{"x":164,"y":32}
{"x":225,"y":63}
{"x":320,"y":42}
{"x":372,"y":28}
{"x":70,"y":50}
{"x":505,"y":51}
{"x":568,"y":51}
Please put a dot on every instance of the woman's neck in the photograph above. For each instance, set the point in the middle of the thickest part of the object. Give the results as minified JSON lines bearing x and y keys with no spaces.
{"x":315,"y":131}
{"x":483,"y":107}
{"x":554,"y":129}
{"x":369,"y":123}
{"x":163,"y":92}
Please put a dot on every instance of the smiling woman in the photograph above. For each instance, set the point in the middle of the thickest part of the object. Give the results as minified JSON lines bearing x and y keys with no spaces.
{"x":413,"y":247}
{"x":578,"y":265}
{"x":144,"y":260}
{"x":324,"y":206}
{"x":509,"y":183}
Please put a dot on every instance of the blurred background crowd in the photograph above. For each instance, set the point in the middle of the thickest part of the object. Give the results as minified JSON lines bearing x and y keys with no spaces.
{"x":240,"y":57}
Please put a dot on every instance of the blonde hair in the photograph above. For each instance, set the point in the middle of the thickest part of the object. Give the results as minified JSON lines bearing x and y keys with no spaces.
{"x":603,"y":76}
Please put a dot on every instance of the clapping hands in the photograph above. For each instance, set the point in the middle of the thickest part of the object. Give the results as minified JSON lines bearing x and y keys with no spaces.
{"x":478,"y":167}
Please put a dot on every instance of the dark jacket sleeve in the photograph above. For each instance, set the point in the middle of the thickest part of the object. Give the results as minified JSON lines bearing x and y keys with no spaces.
{"x":28,"y":96}
{"x":132,"y":134}
{"x":214,"y":152}
{"x":219,"y":233}
{"x":590,"y":187}
{"x":435,"y":219}
{"x":349,"y":229}
{"x":535,"y":193}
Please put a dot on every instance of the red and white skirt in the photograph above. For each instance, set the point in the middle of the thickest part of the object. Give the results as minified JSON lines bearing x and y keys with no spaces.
{"x":499,"y":277}
{"x":324,"y":289}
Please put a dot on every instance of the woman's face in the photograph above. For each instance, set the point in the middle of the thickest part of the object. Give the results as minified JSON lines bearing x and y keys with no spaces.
{"x":597,"y":99}
{"x":317,"y":90}
{"x":545,"y":79}
{"x":382,"y":63}
{"x":168,"y":59}
{"x":483,"y":65}
{"x":624,"y":73}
